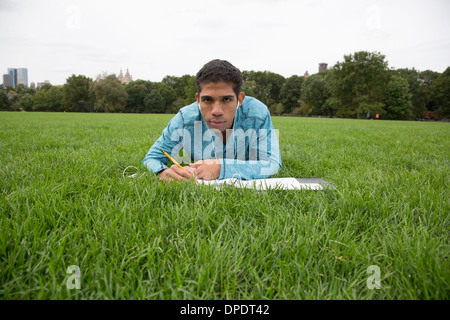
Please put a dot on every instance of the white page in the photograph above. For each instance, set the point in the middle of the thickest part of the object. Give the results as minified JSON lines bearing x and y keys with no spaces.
{"x":278,"y":183}
{"x":265,"y":184}
{"x":217,"y":183}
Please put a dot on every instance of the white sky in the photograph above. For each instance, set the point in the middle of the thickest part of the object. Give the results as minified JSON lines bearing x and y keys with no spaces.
{"x":55,"y":39}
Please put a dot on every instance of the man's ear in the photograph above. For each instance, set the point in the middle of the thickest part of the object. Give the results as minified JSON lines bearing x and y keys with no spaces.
{"x":241,"y":97}
{"x":198,"y":101}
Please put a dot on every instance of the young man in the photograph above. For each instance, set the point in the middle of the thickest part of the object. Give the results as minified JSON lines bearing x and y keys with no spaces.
{"x":224,"y":133}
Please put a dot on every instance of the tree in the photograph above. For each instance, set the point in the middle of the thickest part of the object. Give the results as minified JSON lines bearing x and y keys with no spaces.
{"x":25,"y":102}
{"x":76,"y":93}
{"x":357,"y":84}
{"x":154,"y":102}
{"x":10,"y":90}
{"x":184,"y":87}
{"x":49,"y":99}
{"x":414,"y":83}
{"x":263,"y":85}
{"x":109,"y":94}
{"x":40,"y":100}
{"x":440,"y":92}
{"x":190,"y":89}
{"x":277,"y":108}
{"x":55,"y":98}
{"x":20,"y":87}
{"x":21,"y":97}
{"x":5,"y":103}
{"x":45,"y":87}
{"x":251,"y":88}
{"x":22,"y":90}
{"x":315,"y":94}
{"x":305,"y":108}
{"x":171,"y":81}
{"x":426,"y":79}
{"x":169,"y":95}
{"x":397,"y":99}
{"x":176,"y":106}
{"x":137,"y":91}
{"x":290,"y":92}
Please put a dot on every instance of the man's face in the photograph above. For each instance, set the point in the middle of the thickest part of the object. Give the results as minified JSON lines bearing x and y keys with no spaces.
{"x":218,"y":104}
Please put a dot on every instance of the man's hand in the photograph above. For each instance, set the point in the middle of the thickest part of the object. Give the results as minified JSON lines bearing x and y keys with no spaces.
{"x":175,"y":173}
{"x":207,"y":169}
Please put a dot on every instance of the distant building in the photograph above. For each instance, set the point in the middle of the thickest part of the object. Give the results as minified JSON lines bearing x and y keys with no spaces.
{"x":125,"y":79}
{"x":306,"y":75}
{"x":32,"y":85}
{"x":323,"y":66}
{"x":40,"y":84}
{"x":13,"y":76}
{"x":7,"y":80}
{"x":18,"y":76}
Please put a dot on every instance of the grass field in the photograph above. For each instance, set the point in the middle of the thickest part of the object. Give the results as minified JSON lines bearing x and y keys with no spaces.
{"x":64,"y":202}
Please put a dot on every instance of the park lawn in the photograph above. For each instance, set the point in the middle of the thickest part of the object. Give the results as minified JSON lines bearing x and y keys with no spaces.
{"x":64,"y":202}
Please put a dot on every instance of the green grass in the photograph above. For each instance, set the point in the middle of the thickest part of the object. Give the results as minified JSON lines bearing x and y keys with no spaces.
{"x":64,"y":201}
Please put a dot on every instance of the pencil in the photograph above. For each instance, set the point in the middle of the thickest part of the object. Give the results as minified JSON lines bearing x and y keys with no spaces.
{"x":173,"y":160}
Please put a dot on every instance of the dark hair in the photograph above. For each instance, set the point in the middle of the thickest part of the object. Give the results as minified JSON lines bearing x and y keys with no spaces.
{"x":219,"y":70}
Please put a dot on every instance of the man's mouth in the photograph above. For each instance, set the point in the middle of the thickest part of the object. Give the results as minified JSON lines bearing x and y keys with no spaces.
{"x":217,"y":122}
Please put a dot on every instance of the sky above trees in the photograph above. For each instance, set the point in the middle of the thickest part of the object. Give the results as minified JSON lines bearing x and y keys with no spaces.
{"x":55,"y":39}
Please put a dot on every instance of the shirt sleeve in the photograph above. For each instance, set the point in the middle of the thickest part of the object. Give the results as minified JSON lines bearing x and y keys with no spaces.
{"x":155,"y":160}
{"x":268,"y":160}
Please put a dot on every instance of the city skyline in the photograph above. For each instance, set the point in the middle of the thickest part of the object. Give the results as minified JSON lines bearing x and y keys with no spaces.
{"x":15,"y":76}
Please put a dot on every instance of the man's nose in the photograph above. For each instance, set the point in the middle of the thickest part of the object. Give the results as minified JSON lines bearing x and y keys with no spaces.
{"x":217,"y":109}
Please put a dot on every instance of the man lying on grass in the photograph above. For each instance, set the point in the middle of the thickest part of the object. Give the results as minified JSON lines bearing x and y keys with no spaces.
{"x":224,"y":133}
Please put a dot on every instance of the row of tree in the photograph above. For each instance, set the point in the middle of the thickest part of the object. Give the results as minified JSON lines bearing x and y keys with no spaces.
{"x":361,"y":84}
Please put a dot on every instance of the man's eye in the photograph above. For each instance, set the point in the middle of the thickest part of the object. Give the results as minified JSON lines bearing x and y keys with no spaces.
{"x":227,"y":99}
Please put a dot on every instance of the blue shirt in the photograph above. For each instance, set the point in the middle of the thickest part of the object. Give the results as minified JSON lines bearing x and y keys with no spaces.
{"x":251,"y":150}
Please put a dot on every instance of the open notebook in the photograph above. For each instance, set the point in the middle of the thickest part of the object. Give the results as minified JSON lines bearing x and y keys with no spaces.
{"x":272,"y":183}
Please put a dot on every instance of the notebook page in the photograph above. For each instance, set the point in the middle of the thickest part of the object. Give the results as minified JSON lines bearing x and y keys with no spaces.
{"x":277,"y":183}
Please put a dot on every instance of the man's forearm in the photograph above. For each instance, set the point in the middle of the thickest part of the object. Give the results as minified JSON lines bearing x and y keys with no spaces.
{"x":247,"y":170}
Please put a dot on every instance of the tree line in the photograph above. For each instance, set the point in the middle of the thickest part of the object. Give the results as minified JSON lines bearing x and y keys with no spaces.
{"x":360,"y":86}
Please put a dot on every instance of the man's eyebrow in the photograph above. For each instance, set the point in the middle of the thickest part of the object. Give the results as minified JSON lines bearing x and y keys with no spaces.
{"x":221,"y":97}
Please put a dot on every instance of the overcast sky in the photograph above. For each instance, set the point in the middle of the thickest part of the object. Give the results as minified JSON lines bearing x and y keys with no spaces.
{"x":55,"y":39}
